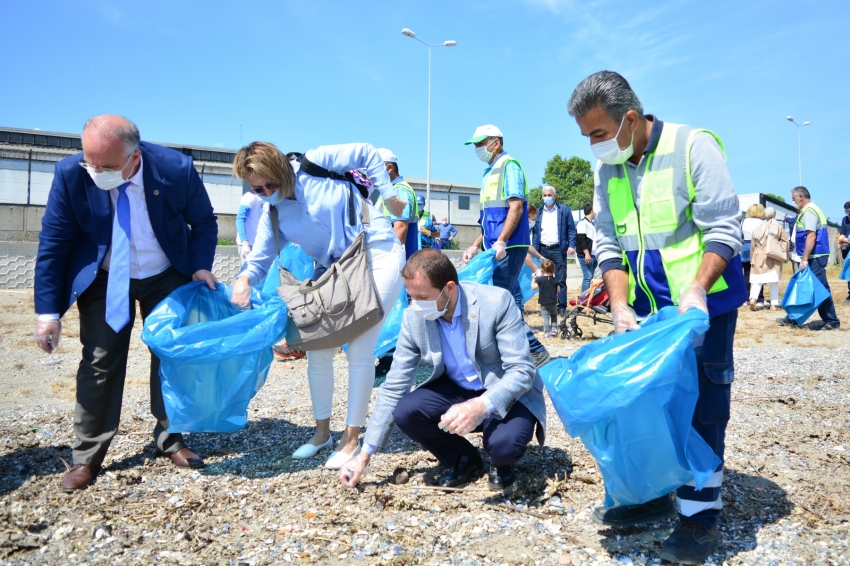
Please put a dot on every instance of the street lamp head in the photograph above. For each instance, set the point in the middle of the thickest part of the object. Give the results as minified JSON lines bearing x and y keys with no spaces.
{"x":790,"y":118}
{"x":450,"y":43}
{"x":408,"y":32}
{"x":806,"y":123}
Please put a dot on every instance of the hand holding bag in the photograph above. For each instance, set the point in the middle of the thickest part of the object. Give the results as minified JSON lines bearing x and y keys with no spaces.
{"x":341,"y":305}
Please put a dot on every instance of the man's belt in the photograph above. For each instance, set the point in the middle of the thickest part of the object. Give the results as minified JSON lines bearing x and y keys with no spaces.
{"x":552,"y":246}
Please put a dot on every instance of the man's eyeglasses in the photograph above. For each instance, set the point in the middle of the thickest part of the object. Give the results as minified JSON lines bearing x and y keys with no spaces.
{"x":267,"y":187}
{"x":91,"y":168}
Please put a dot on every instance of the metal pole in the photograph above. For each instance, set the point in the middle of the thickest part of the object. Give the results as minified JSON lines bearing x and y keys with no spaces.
{"x":428,"y":178}
{"x":29,"y":178}
{"x":799,"y":156}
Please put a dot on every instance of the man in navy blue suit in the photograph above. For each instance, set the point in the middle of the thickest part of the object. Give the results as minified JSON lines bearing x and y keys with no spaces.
{"x":554,"y":237}
{"x":126,"y":221}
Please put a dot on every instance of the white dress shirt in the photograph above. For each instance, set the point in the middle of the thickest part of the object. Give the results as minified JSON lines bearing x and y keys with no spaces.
{"x":146,"y":256}
{"x":549,"y":226}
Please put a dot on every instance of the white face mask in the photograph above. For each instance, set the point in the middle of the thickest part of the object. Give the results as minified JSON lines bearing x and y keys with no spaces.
{"x":483,"y":154}
{"x":609,"y":151}
{"x":428,"y":310}
{"x":108,"y":180}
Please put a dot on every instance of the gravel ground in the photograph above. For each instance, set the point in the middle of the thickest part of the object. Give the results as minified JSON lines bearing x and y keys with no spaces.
{"x":785,"y":496}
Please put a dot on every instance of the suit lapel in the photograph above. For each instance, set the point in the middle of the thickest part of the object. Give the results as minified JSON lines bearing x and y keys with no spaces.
{"x":435,"y":345}
{"x":469,"y":304}
{"x":154,"y":193}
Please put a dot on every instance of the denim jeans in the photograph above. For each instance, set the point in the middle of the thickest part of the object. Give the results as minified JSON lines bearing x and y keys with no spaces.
{"x":560,"y":261}
{"x":587,"y":271}
{"x":506,"y":276}
{"x":716,"y":371}
{"x":826,"y":310}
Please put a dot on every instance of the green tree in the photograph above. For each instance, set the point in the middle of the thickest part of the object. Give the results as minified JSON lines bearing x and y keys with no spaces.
{"x":572,"y":179}
{"x":777,"y":197}
{"x":535,"y":197}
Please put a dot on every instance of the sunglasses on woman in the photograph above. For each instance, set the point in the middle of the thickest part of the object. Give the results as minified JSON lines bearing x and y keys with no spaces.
{"x":267,"y":187}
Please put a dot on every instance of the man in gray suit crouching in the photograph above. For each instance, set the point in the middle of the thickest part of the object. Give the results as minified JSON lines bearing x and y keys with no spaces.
{"x":496,"y":390}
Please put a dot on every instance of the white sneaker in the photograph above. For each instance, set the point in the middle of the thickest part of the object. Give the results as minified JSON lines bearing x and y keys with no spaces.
{"x":337,"y":459}
{"x":309,"y":450}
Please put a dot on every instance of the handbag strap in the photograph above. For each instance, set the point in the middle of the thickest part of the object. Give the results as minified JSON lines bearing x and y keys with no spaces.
{"x":275,"y":228}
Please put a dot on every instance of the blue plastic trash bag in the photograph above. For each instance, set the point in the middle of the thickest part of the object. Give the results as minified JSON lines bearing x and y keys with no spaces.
{"x":845,"y":271}
{"x":479,"y":269}
{"x":214,"y":357}
{"x":631,"y":398}
{"x":294,"y":259}
{"x":392,"y":326}
{"x":803,"y":296}
{"x":525,"y":277}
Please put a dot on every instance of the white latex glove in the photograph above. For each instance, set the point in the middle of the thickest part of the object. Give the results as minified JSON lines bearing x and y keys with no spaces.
{"x":351,"y":471}
{"x":47,"y":334}
{"x":803,"y":265}
{"x":500,"y":248}
{"x":395,"y":205}
{"x":470,"y":253}
{"x":246,"y":249}
{"x":241,"y":296}
{"x":624,"y":318}
{"x":465,"y":417}
{"x":693,"y":296}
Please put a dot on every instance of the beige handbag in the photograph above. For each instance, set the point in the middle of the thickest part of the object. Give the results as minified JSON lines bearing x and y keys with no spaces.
{"x":339,"y":306}
{"x":776,"y":248}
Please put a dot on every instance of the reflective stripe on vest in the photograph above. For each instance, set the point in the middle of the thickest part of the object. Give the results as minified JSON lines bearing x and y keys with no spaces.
{"x":411,"y":196}
{"x":662,"y":246}
{"x":821,"y":235}
{"x":494,"y":206}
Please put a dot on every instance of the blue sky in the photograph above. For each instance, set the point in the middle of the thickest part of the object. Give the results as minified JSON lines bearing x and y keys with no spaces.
{"x":306,"y":73}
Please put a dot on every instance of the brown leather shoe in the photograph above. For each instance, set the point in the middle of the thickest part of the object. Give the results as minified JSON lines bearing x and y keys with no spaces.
{"x":79,"y":477}
{"x":185,"y":458}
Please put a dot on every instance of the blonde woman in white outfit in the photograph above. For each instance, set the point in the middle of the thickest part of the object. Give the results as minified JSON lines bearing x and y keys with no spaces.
{"x":313,"y":213}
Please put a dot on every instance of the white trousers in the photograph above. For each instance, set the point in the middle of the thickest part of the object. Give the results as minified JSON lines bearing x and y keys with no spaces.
{"x":386,"y":260}
{"x":755,"y":288}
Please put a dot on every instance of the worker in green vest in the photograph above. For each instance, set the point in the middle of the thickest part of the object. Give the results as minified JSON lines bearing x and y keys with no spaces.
{"x":405,"y":225}
{"x":667,"y":233}
{"x":504,"y":220}
{"x":812,"y":243}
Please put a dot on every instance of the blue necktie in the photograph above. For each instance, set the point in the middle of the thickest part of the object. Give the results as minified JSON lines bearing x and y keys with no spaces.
{"x":118,"y":284}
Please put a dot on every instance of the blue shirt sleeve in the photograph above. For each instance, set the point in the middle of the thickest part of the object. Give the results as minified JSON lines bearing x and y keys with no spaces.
{"x":241,"y":217}
{"x":514,"y":181}
{"x":452,"y":232}
{"x":369,"y":449}
{"x":405,"y":214}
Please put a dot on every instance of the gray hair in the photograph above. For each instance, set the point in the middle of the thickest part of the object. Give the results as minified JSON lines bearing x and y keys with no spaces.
{"x":608,"y":90}
{"x":801,"y":191}
{"x":769,"y":213}
{"x":554,"y":190}
{"x":123,"y":130}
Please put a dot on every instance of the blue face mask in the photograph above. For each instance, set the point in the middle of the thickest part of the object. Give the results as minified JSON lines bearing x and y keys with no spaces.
{"x":548,"y":200}
{"x":273,"y":199}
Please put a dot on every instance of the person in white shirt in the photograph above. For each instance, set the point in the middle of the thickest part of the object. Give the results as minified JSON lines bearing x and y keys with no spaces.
{"x":585,"y":256}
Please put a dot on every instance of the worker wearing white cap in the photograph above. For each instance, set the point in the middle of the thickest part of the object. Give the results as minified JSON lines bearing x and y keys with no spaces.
{"x":405,"y":225}
{"x":504,"y":219}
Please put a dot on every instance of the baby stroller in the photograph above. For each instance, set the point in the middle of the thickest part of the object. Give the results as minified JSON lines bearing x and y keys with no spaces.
{"x":593,"y":304}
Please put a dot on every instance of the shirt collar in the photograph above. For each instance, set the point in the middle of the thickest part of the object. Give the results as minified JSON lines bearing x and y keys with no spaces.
{"x":654,"y":134}
{"x":398,"y":179}
{"x":137,"y":178}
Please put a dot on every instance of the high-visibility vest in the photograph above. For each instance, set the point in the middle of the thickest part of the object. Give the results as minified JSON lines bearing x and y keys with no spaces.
{"x":411,"y":241}
{"x":821,"y":234}
{"x":662,"y":246}
{"x":494,"y":206}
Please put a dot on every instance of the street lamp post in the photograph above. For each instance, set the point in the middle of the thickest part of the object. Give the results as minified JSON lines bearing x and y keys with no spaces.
{"x":799,"y":152}
{"x":450,"y":43}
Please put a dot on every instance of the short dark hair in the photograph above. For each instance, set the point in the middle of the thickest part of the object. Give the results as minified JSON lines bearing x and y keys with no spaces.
{"x":532,"y":209}
{"x":394,"y":166}
{"x":847,"y":204}
{"x":802,"y":191}
{"x":588,"y":208}
{"x":434,"y":265}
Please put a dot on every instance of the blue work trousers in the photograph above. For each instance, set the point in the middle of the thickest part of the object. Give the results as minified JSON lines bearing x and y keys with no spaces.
{"x":559,"y":258}
{"x":826,"y":310}
{"x":716,"y":370}
{"x":506,"y":276}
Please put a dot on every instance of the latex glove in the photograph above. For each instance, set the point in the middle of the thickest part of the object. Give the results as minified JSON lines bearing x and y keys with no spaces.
{"x":351,"y":471}
{"x":803,"y":264}
{"x":470,"y":253}
{"x":47,"y":334}
{"x":693,"y":296}
{"x":500,"y":248}
{"x":246,"y":249}
{"x":395,"y":205}
{"x":465,"y":417}
{"x":624,"y":318}
{"x":205,"y":276}
{"x":241,"y":296}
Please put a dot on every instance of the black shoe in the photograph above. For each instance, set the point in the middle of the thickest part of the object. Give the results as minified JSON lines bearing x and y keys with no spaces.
{"x":540,"y":358}
{"x":785,"y":321}
{"x":468,"y":468}
{"x":501,"y":477}
{"x":628,"y":515}
{"x":825,"y":326}
{"x":690,"y":543}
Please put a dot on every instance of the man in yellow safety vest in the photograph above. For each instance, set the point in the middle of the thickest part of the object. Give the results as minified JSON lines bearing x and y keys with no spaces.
{"x":667,"y":233}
